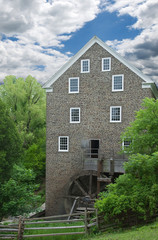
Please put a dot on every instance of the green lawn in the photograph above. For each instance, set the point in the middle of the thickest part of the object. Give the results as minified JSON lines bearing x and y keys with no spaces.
{"x":148,"y":232}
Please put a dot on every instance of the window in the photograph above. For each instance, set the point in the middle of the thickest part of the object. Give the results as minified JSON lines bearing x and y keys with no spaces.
{"x":117,"y":83}
{"x":106,"y":64}
{"x":73,"y":85}
{"x":126,"y":143}
{"x":115,"y":114}
{"x":74,"y":115}
{"x":63,"y":144}
{"x":85,"y":66}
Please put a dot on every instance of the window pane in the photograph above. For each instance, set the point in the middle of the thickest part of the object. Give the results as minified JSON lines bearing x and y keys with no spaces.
{"x":75,"y":115}
{"x":127,"y":143}
{"x":106,"y":64}
{"x":117,"y":82}
{"x":74,"y":85}
{"x":85,"y":66}
{"x":115,"y":114}
{"x":63,"y":143}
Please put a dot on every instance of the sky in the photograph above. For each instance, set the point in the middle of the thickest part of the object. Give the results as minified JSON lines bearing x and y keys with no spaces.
{"x":38,"y":36}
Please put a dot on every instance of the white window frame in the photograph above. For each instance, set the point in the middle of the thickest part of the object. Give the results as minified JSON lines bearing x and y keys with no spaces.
{"x":115,"y":121}
{"x":71,"y":115}
{"x":113,"y":77}
{"x":70,"y":85}
{"x":88,"y":66}
{"x":123,"y":144}
{"x":106,"y":70}
{"x":63,"y":150}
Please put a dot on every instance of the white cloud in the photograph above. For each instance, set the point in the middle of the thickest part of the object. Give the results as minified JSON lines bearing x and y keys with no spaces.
{"x":142,"y":51}
{"x":39,"y":25}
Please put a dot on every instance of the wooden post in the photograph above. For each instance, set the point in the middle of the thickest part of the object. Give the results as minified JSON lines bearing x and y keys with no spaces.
{"x":98,"y":176}
{"x":88,"y":222}
{"x":97,"y":222}
{"x":111,"y":166}
{"x":85,"y":220}
{"x":20,"y":229}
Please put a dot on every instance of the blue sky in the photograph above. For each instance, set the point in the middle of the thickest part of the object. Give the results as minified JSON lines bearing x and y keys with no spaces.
{"x":41,"y":35}
{"x":106,"y":26}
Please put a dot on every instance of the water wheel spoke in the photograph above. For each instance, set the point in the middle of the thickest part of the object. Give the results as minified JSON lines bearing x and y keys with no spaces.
{"x":80,"y":187}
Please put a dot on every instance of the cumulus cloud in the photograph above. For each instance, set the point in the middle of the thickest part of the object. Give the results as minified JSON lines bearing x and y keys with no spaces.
{"x":30,"y":29}
{"x":32,"y":33}
{"x":142,"y":51}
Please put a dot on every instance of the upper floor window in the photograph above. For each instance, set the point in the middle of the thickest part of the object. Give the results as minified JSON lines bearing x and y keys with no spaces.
{"x":85,"y":66}
{"x":74,"y":115}
{"x":117,"y":82}
{"x":74,"y":85}
{"x":106,"y":64}
{"x":115,"y":113}
{"x":63,"y":144}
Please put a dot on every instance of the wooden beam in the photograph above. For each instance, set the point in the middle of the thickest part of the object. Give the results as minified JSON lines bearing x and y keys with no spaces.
{"x":102,"y":179}
{"x":90,"y":183}
{"x":81,"y":188}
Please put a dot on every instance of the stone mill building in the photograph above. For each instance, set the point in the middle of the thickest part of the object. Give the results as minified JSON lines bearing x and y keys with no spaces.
{"x":90,"y":101}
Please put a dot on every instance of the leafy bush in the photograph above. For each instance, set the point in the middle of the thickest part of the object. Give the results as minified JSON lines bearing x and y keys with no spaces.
{"x":134,"y":192}
{"x":17,"y":194}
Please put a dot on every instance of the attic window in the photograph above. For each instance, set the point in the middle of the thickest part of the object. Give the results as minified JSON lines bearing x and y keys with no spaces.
{"x":74,"y":85}
{"x":85,"y":66}
{"x":115,"y":113}
{"x":63,"y":144}
{"x":106,"y":64}
{"x":117,"y":83}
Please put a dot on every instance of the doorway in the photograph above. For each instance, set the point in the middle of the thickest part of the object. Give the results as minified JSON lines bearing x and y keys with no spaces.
{"x":94,"y":148}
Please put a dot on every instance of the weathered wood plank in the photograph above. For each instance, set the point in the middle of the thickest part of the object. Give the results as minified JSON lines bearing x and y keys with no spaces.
{"x":91,"y":224}
{"x":55,"y":221}
{"x":64,"y":227}
{"x":53,"y":217}
{"x":9,"y":226}
{"x":8,"y":230}
{"x":102,"y":179}
{"x":53,"y":234}
{"x":8,"y":235}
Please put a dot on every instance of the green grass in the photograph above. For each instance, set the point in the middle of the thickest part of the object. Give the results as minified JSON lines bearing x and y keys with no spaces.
{"x":147,"y":232}
{"x":66,"y":237}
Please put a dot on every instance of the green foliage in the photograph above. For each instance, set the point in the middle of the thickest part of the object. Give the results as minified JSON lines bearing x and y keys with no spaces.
{"x":35,"y":157}
{"x":17,"y":194}
{"x":134,"y":192}
{"x":144,"y":130}
{"x":26,"y":101}
{"x":10,"y":143}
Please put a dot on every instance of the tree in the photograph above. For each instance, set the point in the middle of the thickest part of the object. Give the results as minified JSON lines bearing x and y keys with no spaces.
{"x":134,"y":192}
{"x":26,"y":101}
{"x":17,"y":194}
{"x":10,"y":143}
{"x":143,"y":132}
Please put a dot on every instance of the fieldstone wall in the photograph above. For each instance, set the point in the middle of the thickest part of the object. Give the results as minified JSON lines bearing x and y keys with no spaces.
{"x":94,"y":99}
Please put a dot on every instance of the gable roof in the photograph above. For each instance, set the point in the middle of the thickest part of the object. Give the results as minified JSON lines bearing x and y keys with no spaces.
{"x":148,"y":83}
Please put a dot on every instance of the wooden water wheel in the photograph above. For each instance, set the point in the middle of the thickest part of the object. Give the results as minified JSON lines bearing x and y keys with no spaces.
{"x":81,"y":186}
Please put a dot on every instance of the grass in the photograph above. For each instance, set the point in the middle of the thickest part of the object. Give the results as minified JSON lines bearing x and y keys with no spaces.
{"x":147,"y":232}
{"x":64,"y":237}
